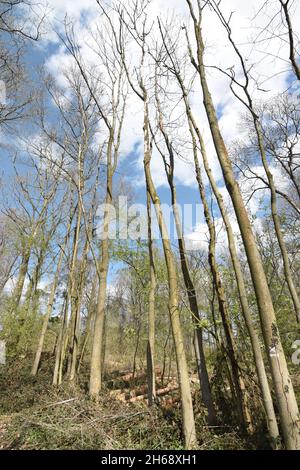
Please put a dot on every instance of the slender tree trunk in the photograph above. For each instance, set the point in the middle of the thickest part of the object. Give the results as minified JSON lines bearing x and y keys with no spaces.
{"x":240,"y":390}
{"x":21,"y":278}
{"x":257,"y":353}
{"x":151,"y":312}
{"x":97,"y":347}
{"x":189,"y":285}
{"x":87,"y":336}
{"x":76,"y":331}
{"x":165,"y":355}
{"x":59,"y":356}
{"x":31,"y":290}
{"x":39,"y":350}
{"x":137,"y":338}
{"x":65,"y":340}
{"x":182,"y":368}
{"x":74,"y":299}
{"x":91,"y":310}
{"x":256,"y":349}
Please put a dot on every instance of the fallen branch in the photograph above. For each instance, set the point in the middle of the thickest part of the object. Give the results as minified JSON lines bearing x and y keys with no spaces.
{"x":61,"y":402}
{"x":160,"y":392}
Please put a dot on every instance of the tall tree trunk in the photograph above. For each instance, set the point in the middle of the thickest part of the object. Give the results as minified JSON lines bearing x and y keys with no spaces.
{"x":89,"y":325}
{"x":59,"y":356}
{"x":188,"y":282}
{"x":256,"y":349}
{"x":74,"y":298}
{"x":76,"y":331}
{"x":97,"y":347}
{"x":151,"y":312}
{"x":39,"y":350}
{"x":287,"y":405}
{"x":240,"y":390}
{"x":74,"y":276}
{"x":182,"y":368}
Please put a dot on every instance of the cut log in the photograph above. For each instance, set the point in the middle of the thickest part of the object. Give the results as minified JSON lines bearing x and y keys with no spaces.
{"x":159,"y":392}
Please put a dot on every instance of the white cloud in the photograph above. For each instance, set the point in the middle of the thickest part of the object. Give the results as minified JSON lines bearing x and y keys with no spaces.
{"x":268,"y":58}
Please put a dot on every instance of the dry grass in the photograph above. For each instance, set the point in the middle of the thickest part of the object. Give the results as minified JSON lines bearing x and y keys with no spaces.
{"x":36,"y":415}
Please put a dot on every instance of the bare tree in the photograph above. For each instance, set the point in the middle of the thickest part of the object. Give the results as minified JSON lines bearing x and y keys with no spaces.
{"x":134,"y":21}
{"x":248,"y":103}
{"x":112,"y":115}
{"x":169,"y":165}
{"x":287,"y":404}
{"x":291,"y":36}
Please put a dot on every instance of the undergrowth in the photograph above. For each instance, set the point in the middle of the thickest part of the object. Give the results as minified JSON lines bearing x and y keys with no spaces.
{"x":37,"y":415}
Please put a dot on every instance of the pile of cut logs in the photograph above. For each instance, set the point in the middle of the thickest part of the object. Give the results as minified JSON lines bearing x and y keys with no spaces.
{"x":138,"y":393}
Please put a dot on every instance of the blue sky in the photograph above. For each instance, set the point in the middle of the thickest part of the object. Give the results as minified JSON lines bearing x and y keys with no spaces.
{"x":52,"y":55}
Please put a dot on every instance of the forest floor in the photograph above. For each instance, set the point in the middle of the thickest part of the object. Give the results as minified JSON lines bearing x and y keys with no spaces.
{"x":37,"y":415}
